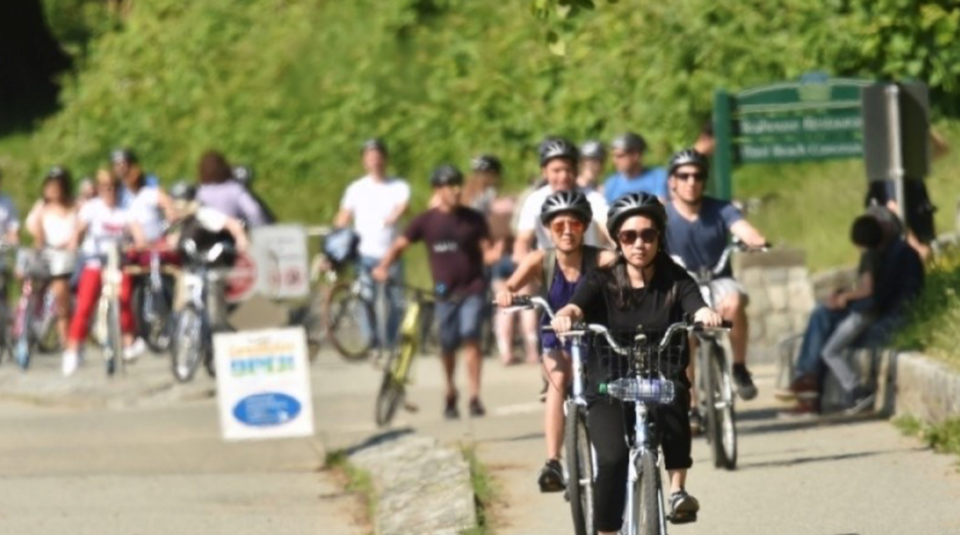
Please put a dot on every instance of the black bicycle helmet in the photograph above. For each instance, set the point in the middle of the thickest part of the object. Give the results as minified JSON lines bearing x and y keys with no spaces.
{"x":557,"y":147}
{"x":487,"y":163}
{"x":58,"y":171}
{"x":376,"y":144}
{"x":566,"y":202}
{"x":243,"y":174}
{"x":123,"y":155}
{"x":688,"y":157}
{"x":636,"y":204}
{"x":446,"y":175}
{"x":183,"y":191}
{"x":630,"y":142}
{"x":593,"y":150}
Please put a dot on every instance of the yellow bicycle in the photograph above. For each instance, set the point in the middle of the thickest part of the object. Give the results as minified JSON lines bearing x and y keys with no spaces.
{"x":397,"y":368}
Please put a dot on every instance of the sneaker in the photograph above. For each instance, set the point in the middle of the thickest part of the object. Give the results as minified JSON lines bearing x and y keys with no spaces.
{"x":861,"y":401}
{"x":450,"y":412}
{"x":476,"y":408}
{"x":134,"y":350}
{"x":744,"y":380}
{"x":803,"y":387}
{"x":683,"y":507}
{"x":71,"y":361}
{"x":696,"y":422}
{"x":551,"y":477}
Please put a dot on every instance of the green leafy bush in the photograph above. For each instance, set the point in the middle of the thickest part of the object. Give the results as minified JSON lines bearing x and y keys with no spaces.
{"x":293,"y":86}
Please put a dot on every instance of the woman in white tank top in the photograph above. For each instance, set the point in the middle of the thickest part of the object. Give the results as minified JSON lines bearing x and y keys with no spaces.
{"x":53,"y":223}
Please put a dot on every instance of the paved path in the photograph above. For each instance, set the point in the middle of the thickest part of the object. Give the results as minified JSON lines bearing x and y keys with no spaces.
{"x":796,"y":476}
{"x":139,"y":455}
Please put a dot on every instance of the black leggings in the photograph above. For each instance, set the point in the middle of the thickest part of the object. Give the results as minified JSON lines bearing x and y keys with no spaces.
{"x":606,"y":420}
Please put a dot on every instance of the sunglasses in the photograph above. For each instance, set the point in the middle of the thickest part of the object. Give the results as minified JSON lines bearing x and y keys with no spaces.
{"x":699,"y":177}
{"x":574,"y":226}
{"x":629,"y":237}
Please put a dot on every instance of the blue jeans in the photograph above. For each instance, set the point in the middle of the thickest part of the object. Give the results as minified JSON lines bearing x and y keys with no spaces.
{"x":394,"y":296}
{"x":822,"y":323}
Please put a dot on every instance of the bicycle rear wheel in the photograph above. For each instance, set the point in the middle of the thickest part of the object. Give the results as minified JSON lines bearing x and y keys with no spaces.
{"x":22,"y":342}
{"x":350,"y":321}
{"x":186,"y":354}
{"x":723,"y":431}
{"x":154,"y":317}
{"x":393,"y":386}
{"x":579,"y":469}
{"x":649,"y":502}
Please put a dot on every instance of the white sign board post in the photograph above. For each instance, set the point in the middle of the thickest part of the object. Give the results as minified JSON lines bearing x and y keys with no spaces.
{"x":263,"y":384}
{"x":280,"y":253}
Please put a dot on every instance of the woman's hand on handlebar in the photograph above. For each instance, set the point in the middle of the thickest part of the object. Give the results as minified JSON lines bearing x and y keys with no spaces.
{"x":504,"y":298}
{"x":708,"y":317}
{"x":565,"y":318}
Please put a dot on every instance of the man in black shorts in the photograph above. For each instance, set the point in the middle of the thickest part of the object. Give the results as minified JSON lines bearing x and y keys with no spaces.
{"x":458,"y":244}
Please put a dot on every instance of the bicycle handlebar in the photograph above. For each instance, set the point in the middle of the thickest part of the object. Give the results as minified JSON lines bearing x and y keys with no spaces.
{"x":527,"y":302}
{"x":582,"y":329}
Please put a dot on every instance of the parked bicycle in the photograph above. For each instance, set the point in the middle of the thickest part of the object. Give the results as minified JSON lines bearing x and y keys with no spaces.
{"x":399,"y":364}
{"x":34,"y":320}
{"x":152,"y":300}
{"x":714,"y":384}
{"x":578,"y":451}
{"x":107,"y":330}
{"x":203,"y":312}
{"x":637,"y":375}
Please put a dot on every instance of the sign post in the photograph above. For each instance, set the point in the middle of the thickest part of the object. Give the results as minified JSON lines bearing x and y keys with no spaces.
{"x":263,"y":384}
{"x":817,"y":118}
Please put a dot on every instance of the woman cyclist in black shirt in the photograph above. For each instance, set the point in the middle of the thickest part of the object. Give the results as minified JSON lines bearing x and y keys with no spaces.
{"x":643,"y":288}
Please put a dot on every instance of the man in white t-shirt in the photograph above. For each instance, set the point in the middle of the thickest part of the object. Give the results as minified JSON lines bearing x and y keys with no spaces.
{"x":558,"y":163}
{"x":375,"y":203}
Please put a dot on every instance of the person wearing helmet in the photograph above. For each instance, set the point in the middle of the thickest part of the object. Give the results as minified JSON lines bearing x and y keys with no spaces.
{"x":458,"y":246}
{"x":632,"y":175}
{"x":244,"y":175}
{"x":642,"y":287}
{"x":558,"y":164}
{"x":374,"y":204}
{"x":699,"y":229}
{"x":560,"y":270}
{"x":126,"y":165}
{"x":205,"y":225}
{"x":592,"y":159}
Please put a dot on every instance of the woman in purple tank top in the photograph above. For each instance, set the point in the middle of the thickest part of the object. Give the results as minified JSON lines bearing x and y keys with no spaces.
{"x":566,"y":214}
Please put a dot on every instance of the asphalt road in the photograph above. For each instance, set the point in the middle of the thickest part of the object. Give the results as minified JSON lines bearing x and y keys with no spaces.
{"x":795,"y":476}
{"x":139,"y":455}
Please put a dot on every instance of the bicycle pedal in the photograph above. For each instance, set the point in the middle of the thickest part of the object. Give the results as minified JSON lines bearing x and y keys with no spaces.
{"x":686,"y":518}
{"x":410,"y":407}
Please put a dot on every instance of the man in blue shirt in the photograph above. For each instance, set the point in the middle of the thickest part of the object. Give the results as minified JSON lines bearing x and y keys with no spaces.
{"x":631,"y":175}
{"x":698,"y":230}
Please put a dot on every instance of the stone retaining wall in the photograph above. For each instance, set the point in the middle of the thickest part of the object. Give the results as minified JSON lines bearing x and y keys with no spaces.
{"x":422,"y":487}
{"x":781,"y":297}
{"x":926,"y":388}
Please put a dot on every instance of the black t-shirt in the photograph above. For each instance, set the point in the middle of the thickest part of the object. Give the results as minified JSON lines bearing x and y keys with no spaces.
{"x":453,"y":244}
{"x":662,"y":302}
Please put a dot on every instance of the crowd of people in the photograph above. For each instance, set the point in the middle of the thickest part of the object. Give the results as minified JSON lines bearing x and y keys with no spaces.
{"x":612,"y":251}
{"x":124,"y":206}
{"x":615,"y":251}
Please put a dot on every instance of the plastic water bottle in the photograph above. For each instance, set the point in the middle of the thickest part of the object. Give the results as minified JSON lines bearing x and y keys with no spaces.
{"x":659,"y":391}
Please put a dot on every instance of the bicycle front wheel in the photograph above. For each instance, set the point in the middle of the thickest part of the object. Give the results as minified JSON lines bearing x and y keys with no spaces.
{"x":649,"y":502}
{"x":393,"y":386}
{"x":723,"y":431}
{"x":187,"y":350}
{"x":579,"y":469}
{"x":113,"y":345}
{"x":350,"y":321}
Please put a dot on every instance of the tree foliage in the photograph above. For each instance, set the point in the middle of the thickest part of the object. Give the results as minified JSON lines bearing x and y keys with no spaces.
{"x":293,"y":86}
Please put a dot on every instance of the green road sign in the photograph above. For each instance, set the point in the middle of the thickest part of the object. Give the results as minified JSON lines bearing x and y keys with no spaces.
{"x":817,"y":118}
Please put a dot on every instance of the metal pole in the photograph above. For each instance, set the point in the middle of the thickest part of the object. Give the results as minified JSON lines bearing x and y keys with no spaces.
{"x":895,"y":143}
